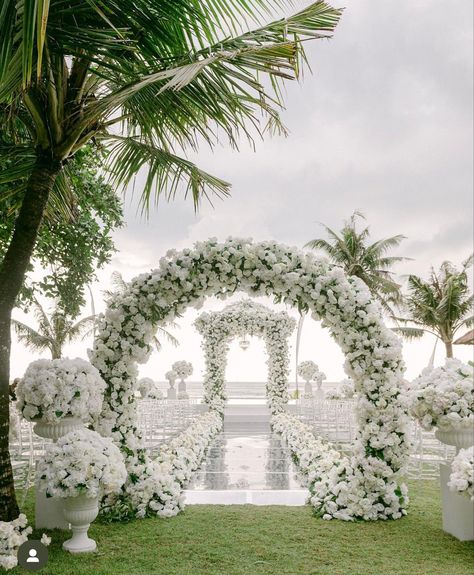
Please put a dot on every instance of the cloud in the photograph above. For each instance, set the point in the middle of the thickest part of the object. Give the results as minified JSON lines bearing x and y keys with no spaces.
{"x":384,"y":125}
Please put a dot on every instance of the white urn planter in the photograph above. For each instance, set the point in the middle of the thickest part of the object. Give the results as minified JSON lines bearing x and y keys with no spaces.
{"x":80,"y":512}
{"x":182,"y":392}
{"x":460,"y":437}
{"x":171,"y":393}
{"x":457,"y":509}
{"x":56,"y":430}
{"x":308,"y":389}
{"x":49,"y":511}
{"x":319,"y":393}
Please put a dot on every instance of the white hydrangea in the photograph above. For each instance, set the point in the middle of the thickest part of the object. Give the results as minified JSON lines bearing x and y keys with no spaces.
{"x":54,"y":389}
{"x":171,"y":376}
{"x":159,"y":490}
{"x":183,"y":369}
{"x":210,"y":268}
{"x":462,"y":472}
{"x":332,"y":481}
{"x":12,"y":535}
{"x":238,"y":320}
{"x":309,"y":371}
{"x":444,"y":397}
{"x":81,"y":462}
{"x":345,"y":390}
{"x":149,"y":389}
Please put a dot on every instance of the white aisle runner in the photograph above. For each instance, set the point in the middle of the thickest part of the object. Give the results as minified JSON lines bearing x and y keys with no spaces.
{"x":246,"y":464}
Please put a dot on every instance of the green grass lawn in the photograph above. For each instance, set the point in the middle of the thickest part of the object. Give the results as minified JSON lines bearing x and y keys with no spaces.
{"x":248,"y":540}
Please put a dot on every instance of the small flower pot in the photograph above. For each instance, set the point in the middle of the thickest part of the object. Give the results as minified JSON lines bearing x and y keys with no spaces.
{"x":80,"y":512}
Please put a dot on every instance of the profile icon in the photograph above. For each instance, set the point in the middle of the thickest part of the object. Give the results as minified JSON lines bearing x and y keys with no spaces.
{"x":32,"y":555}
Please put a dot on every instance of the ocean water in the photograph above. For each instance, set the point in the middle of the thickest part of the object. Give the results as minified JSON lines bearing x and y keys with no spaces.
{"x":241,"y":389}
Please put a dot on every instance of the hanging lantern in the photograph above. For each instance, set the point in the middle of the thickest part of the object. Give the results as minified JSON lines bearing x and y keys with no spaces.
{"x":244,"y":344}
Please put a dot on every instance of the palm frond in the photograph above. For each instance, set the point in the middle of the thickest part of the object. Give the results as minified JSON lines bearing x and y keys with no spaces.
{"x":166,"y":172}
{"x":409,"y":332}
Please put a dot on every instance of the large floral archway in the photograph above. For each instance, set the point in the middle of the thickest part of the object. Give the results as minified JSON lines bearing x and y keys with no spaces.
{"x":237,"y":320}
{"x":369,"y":484}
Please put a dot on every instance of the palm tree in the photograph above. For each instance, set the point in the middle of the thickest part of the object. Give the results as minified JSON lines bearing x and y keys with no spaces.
{"x":441,"y":306}
{"x":145,"y":78}
{"x":54,"y":332}
{"x":350,"y":249}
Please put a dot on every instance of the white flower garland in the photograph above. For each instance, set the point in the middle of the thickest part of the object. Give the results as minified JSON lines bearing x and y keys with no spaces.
{"x":444,"y":397}
{"x":54,"y":389}
{"x":237,"y":320}
{"x":332,"y":481}
{"x":462,"y":472}
{"x":160,"y":491}
{"x":81,"y":462}
{"x":12,"y":535}
{"x":373,"y":352}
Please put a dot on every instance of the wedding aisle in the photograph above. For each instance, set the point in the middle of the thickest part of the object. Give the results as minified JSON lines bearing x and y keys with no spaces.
{"x":246,"y":464}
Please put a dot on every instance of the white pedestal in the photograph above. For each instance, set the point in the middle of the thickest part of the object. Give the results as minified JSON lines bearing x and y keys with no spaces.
{"x":49,"y":512}
{"x":458,"y":509}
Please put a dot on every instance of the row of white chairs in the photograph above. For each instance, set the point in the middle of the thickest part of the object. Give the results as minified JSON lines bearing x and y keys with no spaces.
{"x":158,"y":421}
{"x":335,"y":421}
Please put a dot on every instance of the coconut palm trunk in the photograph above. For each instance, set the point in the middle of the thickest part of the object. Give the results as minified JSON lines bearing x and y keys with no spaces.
{"x":449,"y":348}
{"x":12,"y":275}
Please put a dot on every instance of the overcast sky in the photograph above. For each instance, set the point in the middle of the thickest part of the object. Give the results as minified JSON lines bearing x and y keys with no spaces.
{"x":383,"y":125}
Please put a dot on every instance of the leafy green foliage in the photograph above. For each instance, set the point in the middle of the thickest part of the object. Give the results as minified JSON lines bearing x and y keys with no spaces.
{"x":169,"y":75}
{"x":351,"y":250}
{"x":442,"y":305}
{"x":75,"y":242}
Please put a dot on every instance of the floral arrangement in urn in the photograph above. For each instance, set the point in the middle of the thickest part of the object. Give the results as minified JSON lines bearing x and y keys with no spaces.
{"x":79,"y":468}
{"x":149,"y":389}
{"x":171,"y":376}
{"x":12,"y":535}
{"x":462,"y":474}
{"x":444,"y":397}
{"x":54,"y":389}
{"x":82,"y":462}
{"x":183,"y":369}
{"x":308,"y":370}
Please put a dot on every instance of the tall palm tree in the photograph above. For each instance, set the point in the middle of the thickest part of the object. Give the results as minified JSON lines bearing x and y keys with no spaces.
{"x":147,"y":79}
{"x":441,"y":306}
{"x":351,"y":250}
{"x":54,"y":332}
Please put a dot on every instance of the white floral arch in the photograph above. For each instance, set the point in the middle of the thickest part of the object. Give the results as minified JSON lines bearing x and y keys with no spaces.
{"x":237,"y":320}
{"x":371,"y":480}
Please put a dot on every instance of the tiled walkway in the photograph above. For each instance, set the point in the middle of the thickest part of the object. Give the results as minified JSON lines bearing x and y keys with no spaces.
{"x":247,"y":463}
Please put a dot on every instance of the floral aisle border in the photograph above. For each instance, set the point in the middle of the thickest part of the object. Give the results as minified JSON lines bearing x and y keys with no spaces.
{"x":238,"y":320}
{"x":331,"y":477}
{"x":373,"y":352}
{"x":161,"y":492}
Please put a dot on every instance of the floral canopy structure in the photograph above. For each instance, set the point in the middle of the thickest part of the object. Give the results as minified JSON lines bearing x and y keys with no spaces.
{"x":237,"y":320}
{"x":369,"y":483}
